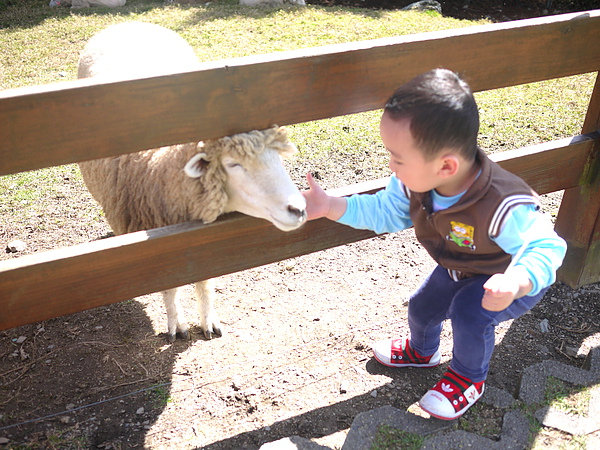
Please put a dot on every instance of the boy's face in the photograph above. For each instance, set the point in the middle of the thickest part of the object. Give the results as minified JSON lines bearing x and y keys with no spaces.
{"x":406,"y":160}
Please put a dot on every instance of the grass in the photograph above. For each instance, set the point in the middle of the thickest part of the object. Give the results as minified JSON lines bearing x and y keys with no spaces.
{"x":533,"y":113}
{"x":566,"y":397}
{"x":389,"y":438}
{"x":569,"y":398}
{"x":26,"y":188}
{"x":41,"y":45}
{"x":54,"y":440}
{"x":160,"y":396}
{"x":25,"y":196}
{"x":483,"y":420}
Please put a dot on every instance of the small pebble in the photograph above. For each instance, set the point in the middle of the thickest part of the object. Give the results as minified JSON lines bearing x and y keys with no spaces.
{"x":571,"y":351}
{"x":16,"y":246}
{"x":140,"y":411}
{"x":544,"y":350}
{"x":343,"y":387}
{"x":374,"y":394}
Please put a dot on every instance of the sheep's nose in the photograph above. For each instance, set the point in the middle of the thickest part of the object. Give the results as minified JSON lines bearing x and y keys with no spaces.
{"x":300,"y":213}
{"x":297,"y":206}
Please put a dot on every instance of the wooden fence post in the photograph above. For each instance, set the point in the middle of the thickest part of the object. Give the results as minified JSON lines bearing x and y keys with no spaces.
{"x":578,"y":220}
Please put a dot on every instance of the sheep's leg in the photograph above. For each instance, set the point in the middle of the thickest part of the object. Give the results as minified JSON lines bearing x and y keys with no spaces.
{"x":209,"y":321}
{"x":175,"y":316}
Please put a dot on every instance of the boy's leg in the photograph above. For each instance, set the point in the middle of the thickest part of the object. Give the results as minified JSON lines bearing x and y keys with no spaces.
{"x":427,"y":310}
{"x":473,"y":330}
{"x":473,"y":327}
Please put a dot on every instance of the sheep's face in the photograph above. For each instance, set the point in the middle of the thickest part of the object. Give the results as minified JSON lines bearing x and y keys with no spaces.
{"x":256,"y":182}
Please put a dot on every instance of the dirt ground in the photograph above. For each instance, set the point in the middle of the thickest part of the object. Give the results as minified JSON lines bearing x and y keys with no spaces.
{"x":294,"y":360}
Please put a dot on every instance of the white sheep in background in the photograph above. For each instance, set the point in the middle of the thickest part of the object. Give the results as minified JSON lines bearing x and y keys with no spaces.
{"x":169,"y":185}
{"x":87,"y":3}
{"x":271,"y":2}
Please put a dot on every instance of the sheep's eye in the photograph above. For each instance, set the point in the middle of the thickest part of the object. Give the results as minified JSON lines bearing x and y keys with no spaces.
{"x":233,"y":165}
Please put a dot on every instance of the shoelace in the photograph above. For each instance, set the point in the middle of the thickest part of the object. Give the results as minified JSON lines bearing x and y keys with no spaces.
{"x":456,"y":389}
{"x":403,"y":352}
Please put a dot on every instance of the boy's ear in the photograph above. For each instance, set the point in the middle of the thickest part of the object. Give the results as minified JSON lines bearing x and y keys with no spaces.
{"x":448,"y":165}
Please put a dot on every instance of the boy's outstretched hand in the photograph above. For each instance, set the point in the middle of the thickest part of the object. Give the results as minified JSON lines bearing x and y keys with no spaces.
{"x":317,"y":201}
{"x":502,"y":289}
{"x":320,"y":204}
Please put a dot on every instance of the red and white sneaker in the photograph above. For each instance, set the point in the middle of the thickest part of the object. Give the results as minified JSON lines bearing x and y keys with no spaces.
{"x":452,"y":396}
{"x":399,"y":353}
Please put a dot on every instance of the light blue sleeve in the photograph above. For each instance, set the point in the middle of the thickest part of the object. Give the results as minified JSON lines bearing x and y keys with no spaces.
{"x":386,"y":211}
{"x":544,"y":251}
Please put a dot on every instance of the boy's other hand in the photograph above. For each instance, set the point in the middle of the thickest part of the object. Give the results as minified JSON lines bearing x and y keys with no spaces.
{"x":501,"y":289}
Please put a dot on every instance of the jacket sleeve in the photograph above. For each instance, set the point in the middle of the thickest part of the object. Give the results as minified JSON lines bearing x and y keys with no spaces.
{"x":386,"y":211}
{"x":544,"y":251}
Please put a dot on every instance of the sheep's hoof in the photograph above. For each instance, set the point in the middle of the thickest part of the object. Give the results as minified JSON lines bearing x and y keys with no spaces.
{"x":184,"y":335}
{"x":214,"y":332}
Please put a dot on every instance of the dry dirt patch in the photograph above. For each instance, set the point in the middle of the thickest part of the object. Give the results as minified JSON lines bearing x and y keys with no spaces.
{"x":295,"y":359}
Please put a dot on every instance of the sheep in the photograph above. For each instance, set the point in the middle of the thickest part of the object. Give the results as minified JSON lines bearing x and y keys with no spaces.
{"x":192,"y":181}
{"x":271,"y":2}
{"x":87,"y":3}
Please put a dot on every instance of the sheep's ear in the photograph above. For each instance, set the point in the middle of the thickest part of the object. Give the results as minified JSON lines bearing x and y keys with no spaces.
{"x":196,"y":166}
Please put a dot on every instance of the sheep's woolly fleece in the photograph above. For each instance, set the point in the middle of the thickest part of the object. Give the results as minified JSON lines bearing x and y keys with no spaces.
{"x":161,"y":181}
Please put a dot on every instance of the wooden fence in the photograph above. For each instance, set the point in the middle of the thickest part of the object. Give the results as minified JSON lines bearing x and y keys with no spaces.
{"x":63,"y":123}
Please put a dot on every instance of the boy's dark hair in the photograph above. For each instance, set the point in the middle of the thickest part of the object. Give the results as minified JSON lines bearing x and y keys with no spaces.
{"x":442,"y":112}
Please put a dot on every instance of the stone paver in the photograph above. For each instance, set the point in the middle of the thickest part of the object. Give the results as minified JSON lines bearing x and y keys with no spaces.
{"x":442,"y":435}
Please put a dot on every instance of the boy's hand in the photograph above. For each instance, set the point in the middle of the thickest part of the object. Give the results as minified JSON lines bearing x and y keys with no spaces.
{"x":501,"y":289}
{"x":500,"y":292}
{"x":317,"y":201}
{"x":319,"y":204}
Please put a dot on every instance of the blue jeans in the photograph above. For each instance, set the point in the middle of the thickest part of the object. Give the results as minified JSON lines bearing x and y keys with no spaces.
{"x":440,"y":298}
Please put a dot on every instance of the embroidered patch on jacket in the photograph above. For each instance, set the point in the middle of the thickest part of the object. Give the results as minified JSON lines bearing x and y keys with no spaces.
{"x":462,"y":235}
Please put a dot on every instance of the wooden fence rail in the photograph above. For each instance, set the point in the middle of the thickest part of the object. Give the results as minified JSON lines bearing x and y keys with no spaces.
{"x":73,"y":121}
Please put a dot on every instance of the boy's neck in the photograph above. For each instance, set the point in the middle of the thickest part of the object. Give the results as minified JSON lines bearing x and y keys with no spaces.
{"x":461,"y":181}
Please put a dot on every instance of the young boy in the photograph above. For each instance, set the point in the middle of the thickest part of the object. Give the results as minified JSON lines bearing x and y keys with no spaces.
{"x":472,"y":217}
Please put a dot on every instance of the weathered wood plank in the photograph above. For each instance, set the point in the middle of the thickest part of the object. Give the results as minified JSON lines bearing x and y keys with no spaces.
{"x":84,"y":278}
{"x":551,"y":166}
{"x":578,"y":219}
{"x":74,"y":121}
{"x":111,"y":270}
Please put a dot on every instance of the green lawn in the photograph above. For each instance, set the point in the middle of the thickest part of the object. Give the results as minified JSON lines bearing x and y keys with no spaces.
{"x":41,"y":45}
